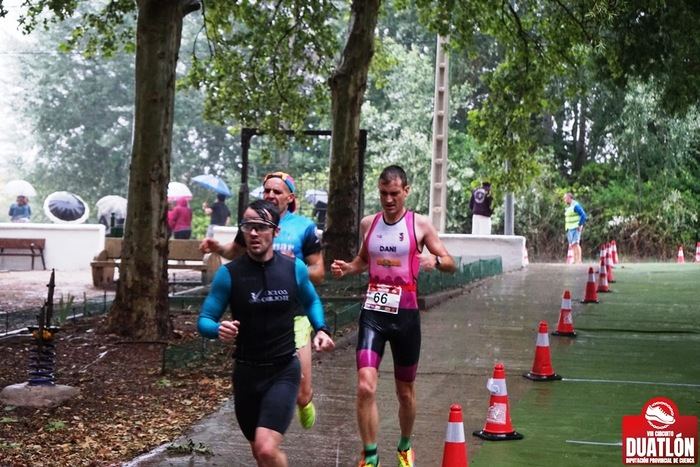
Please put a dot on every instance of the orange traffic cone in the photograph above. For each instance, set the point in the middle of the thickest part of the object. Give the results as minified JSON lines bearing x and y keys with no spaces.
{"x":697,"y":252}
{"x":680,"y":258}
{"x":455,"y":452}
{"x":603,"y":279}
{"x":591,"y":295}
{"x":542,"y":366}
{"x":603,"y":249}
{"x":616,"y":259}
{"x":570,"y":256}
{"x":498,"y":426}
{"x":609,"y":265}
{"x":565,"y":327}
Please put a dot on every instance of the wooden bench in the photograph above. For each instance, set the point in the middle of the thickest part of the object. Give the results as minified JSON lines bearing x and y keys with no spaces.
{"x":33,"y":247}
{"x":183,"y":254}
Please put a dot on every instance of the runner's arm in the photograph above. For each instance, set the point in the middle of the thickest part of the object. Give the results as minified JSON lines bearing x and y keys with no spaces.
{"x":309,"y":298}
{"x":215,"y":304}
{"x":443,"y":260}
{"x":359,"y":264}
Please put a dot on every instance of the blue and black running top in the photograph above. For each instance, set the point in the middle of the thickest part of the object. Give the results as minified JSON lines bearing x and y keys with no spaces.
{"x":263,"y":297}
{"x":297,"y":237}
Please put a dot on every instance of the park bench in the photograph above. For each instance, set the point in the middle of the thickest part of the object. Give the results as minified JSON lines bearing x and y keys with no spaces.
{"x":183,"y":254}
{"x":33,"y":247}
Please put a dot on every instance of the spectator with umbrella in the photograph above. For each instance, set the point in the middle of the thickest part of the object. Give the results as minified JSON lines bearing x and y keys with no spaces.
{"x":219,"y":213}
{"x":20,"y":211}
{"x":180,"y":219}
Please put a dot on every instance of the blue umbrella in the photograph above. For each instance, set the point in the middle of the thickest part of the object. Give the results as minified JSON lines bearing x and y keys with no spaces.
{"x":212,"y":182}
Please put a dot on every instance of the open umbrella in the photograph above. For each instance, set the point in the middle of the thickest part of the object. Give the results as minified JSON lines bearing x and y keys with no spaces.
{"x":63,"y":207}
{"x":177,"y":190}
{"x":111,"y":204}
{"x":314,"y":196}
{"x":258,"y":192}
{"x":212,"y":182}
{"x":19,"y":188}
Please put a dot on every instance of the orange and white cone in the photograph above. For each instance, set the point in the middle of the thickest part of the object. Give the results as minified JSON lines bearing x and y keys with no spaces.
{"x":609,"y":265}
{"x":455,"y":452}
{"x":603,"y":286}
{"x":498,"y":426}
{"x":570,"y":255}
{"x":680,"y":258}
{"x":697,"y":252}
{"x":616,"y":259}
{"x":542,"y":366}
{"x":565,"y":327}
{"x":603,"y":249}
{"x":591,"y":295}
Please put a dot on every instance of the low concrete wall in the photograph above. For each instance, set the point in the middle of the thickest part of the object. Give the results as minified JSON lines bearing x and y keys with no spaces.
{"x":509,"y":247}
{"x":69,"y":247}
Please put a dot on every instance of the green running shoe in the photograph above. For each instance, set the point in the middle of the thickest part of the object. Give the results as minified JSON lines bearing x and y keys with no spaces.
{"x":406,"y":458}
{"x":365,"y":464}
{"x":307,"y":415}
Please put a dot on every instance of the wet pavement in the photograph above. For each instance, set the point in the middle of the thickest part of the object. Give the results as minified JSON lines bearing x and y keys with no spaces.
{"x":493,"y":321}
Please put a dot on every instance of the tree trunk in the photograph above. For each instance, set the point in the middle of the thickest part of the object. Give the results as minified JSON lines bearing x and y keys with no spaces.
{"x":348,"y":84}
{"x":140,"y":309}
{"x":580,"y":143}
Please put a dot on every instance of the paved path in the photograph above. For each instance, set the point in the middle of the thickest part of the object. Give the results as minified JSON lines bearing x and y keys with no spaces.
{"x":495,"y":320}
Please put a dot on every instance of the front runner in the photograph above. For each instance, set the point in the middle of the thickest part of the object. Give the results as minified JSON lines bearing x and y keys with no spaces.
{"x":297,"y":237}
{"x":263,"y":289}
{"x":392,"y":242}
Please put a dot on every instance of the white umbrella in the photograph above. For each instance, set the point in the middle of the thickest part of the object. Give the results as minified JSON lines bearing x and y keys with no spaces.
{"x":19,"y":188}
{"x":258,"y":192}
{"x":111,"y":204}
{"x":63,"y":207}
{"x":314,"y":196}
{"x":177,"y":190}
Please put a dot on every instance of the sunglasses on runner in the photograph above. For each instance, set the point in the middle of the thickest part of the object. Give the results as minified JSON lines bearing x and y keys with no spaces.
{"x":258,"y":226}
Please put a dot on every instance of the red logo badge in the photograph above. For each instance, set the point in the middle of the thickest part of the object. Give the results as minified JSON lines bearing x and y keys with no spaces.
{"x":660,"y":435}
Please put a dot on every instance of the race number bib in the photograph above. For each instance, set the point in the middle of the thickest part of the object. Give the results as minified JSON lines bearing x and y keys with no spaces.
{"x":384,"y":298}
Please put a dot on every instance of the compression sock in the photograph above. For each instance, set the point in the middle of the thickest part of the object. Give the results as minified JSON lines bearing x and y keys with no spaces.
{"x":404,"y":444}
{"x":371,"y":456}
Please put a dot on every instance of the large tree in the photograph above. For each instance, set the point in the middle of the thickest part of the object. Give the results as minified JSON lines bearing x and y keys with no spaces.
{"x":140,"y":308}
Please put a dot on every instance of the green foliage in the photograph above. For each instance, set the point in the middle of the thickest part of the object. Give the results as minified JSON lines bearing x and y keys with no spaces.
{"x":265,"y":65}
{"x":55,"y":425}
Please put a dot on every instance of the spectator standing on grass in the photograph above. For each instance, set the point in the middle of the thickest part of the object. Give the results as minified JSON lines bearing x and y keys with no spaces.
{"x":263,"y":289}
{"x":219,"y":214}
{"x":180,"y":220}
{"x":574,"y":220}
{"x":480,"y":205}
{"x":20,"y":211}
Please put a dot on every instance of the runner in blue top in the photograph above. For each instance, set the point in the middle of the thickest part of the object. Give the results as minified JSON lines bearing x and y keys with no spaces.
{"x":263,"y":289}
{"x":297,"y":238}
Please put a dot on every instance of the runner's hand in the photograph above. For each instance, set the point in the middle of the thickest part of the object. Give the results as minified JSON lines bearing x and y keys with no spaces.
{"x":323,"y":342}
{"x":209,"y":245}
{"x":228,"y":330}
{"x":339,"y":268}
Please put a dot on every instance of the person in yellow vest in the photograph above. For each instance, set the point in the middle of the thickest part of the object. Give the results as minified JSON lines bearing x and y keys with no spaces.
{"x":574,"y":220}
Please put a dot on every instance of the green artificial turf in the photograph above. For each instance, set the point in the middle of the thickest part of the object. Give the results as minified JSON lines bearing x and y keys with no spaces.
{"x":642,"y":341}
